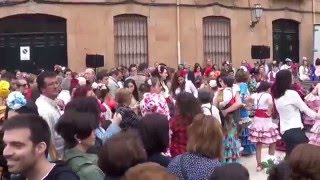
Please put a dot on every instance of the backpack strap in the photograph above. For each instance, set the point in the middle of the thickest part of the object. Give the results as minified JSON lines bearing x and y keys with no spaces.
{"x":210,"y":109}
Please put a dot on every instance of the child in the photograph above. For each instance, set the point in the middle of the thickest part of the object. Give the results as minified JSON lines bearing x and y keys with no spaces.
{"x":262,"y":129}
{"x":249,"y":148}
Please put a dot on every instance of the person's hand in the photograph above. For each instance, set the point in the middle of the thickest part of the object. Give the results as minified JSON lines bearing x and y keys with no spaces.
{"x":117,"y":118}
{"x":60,"y":104}
{"x":224,"y":113}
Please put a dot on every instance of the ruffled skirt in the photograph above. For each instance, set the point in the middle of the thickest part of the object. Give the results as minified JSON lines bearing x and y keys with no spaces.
{"x":263,"y":130}
{"x":313,"y":102}
{"x":248,"y":147}
{"x":315,"y":134}
{"x":231,"y":149}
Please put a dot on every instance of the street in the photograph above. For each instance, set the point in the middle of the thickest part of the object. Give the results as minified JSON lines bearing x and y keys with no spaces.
{"x":250,"y":163}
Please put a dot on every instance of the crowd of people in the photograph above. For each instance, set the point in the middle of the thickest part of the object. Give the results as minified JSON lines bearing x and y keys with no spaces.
{"x":158,"y":122}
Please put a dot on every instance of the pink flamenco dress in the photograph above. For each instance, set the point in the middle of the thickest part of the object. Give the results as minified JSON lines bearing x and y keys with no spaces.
{"x":315,"y":134}
{"x":262,"y":129}
{"x":313,"y":102}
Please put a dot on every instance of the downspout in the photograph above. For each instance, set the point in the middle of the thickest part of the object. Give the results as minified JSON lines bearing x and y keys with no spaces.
{"x":314,"y":22}
{"x":178,"y":32}
{"x":314,"y":12}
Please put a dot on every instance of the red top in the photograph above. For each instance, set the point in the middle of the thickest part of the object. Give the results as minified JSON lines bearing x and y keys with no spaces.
{"x":28,"y":94}
{"x":111,"y":103}
{"x":207,"y":71}
{"x":178,"y":143}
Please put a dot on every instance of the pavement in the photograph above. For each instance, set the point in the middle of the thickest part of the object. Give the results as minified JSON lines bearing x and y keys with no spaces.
{"x":250,"y":163}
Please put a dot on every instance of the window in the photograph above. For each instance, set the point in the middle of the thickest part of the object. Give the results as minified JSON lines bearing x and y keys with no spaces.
{"x":216,"y":39}
{"x":130,"y":39}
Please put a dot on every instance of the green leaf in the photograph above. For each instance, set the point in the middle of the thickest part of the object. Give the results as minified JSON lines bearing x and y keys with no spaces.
{"x":270,"y":162}
{"x":264,"y":165}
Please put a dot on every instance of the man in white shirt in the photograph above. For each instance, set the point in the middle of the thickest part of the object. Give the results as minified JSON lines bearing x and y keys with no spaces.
{"x":115,"y":81}
{"x":48,"y":109}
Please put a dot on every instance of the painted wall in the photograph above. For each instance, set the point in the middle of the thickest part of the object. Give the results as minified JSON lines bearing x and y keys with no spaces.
{"x":90,"y":27}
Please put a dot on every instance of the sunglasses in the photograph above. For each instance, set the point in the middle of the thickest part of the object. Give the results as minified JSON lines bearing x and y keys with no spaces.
{"x":25,"y":85}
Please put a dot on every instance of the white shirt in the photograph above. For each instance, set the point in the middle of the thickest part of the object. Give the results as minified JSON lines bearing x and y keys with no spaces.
{"x":261,"y":100}
{"x":214,"y":111}
{"x":189,"y":87}
{"x":113,"y":86}
{"x":288,"y":107}
{"x":285,"y":66}
{"x":228,"y":94}
{"x":304,"y":73}
{"x":65,"y":96}
{"x":49,"y":111}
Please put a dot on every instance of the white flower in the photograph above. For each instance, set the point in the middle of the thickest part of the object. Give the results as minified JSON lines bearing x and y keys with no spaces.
{"x":94,"y":85}
{"x":102,"y":86}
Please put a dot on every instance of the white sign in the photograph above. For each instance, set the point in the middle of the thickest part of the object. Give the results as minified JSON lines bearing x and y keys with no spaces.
{"x":24,"y":53}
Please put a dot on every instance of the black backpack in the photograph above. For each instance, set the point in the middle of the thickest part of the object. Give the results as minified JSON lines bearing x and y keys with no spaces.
{"x":60,"y":168}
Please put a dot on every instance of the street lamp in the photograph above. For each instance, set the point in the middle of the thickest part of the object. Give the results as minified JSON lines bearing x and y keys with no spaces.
{"x":256,"y":14}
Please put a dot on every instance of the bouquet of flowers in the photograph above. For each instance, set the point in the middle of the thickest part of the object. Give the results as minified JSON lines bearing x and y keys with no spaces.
{"x":270,"y":162}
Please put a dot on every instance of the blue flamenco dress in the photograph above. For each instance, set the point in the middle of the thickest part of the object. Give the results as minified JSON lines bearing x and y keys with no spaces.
{"x":248,"y":147}
{"x":231,"y":142}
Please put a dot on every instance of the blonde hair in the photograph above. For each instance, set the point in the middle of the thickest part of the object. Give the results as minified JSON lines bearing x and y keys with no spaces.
{"x":123,"y":97}
{"x":149,"y":170}
{"x":205,"y":136}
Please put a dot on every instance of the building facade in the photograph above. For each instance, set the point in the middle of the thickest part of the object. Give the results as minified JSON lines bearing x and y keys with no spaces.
{"x":168,"y":31}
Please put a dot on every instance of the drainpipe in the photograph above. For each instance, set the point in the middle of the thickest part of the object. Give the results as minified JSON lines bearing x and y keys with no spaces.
{"x":178,"y":32}
{"x":314,"y":12}
{"x":314,"y":22}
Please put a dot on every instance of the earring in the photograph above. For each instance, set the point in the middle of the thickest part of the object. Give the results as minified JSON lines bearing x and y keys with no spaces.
{"x":79,"y":142}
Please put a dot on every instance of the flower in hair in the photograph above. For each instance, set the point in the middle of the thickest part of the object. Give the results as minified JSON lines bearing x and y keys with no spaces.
{"x":101,"y":86}
{"x":94,"y":85}
{"x":16,"y":100}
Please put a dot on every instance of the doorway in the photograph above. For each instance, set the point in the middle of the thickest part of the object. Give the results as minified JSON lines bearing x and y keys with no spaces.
{"x":32,"y":41}
{"x":285,"y":40}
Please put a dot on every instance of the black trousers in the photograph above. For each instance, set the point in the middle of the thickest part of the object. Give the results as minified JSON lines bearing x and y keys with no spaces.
{"x":294,"y":137}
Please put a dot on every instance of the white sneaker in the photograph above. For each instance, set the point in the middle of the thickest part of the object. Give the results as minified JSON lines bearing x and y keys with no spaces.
{"x":241,"y":149}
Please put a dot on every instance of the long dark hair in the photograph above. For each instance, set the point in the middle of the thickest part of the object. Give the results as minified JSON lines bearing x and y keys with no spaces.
{"x":160,"y":69}
{"x":188,"y":107}
{"x":175,"y":84}
{"x":135,"y":91}
{"x":282,"y":84}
